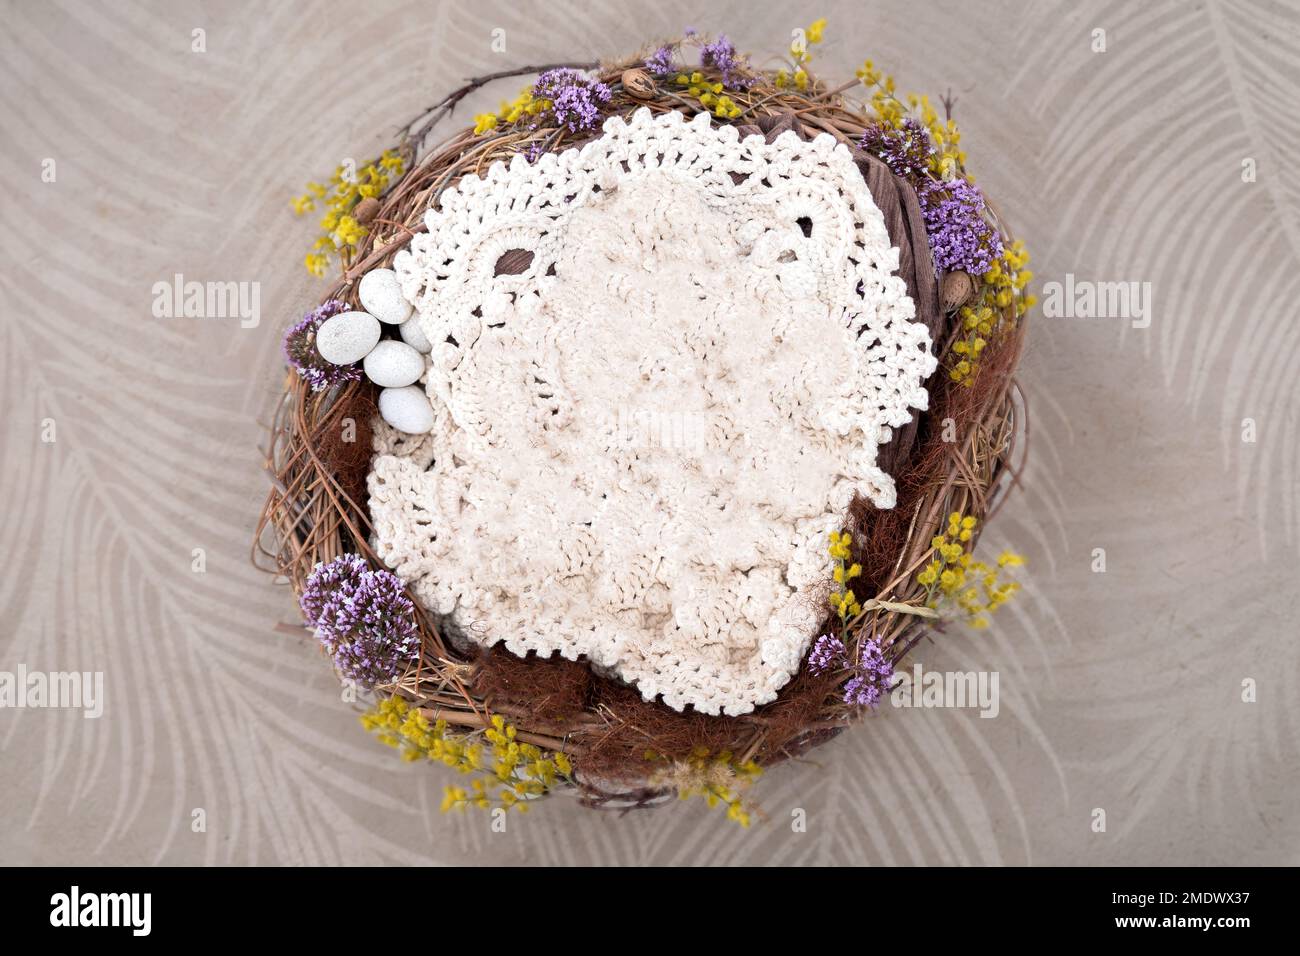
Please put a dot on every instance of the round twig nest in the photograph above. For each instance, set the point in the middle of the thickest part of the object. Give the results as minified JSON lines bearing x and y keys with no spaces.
{"x":618,"y":749}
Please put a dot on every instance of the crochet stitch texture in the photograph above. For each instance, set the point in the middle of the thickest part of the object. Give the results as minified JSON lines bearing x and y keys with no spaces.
{"x":643,"y":438}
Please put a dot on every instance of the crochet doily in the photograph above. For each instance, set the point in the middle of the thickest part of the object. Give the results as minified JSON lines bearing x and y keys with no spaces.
{"x":643,"y":438}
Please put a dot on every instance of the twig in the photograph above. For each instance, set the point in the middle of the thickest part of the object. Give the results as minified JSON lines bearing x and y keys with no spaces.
{"x":447,"y":104}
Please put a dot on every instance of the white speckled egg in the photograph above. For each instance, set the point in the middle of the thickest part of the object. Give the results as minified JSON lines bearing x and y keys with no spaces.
{"x":346,"y":338}
{"x":414,"y":336}
{"x":381,"y":294}
{"x":406,"y":409}
{"x":393,"y":364}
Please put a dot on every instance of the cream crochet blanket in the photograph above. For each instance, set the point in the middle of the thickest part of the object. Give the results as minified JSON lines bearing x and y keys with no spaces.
{"x":642,"y":440}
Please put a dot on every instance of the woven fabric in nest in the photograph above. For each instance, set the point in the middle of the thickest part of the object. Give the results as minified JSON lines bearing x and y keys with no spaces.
{"x":595,"y":725}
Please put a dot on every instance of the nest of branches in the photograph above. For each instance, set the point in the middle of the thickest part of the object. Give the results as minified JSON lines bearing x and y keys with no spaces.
{"x":956,"y":457}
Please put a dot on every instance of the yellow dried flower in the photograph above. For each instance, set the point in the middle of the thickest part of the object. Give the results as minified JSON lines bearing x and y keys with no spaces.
{"x":340,"y":230}
{"x":948,"y":577}
{"x":518,"y":771}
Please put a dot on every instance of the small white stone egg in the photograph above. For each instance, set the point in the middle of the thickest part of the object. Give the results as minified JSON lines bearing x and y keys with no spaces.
{"x":393,"y":364}
{"x":346,"y":338}
{"x":381,"y":294}
{"x":406,"y":409}
{"x":414,"y":336}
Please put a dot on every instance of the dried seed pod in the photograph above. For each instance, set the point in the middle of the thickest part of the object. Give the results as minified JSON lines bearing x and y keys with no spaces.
{"x":958,"y":289}
{"x":639,"y":84}
{"x":366,"y":210}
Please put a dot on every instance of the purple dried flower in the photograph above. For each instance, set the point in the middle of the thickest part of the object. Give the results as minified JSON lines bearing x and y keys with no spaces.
{"x":722,"y":56}
{"x":300,"y":350}
{"x":662,"y":61}
{"x":363,"y":618}
{"x":872,"y":678}
{"x":860,"y":693}
{"x":906,"y":149}
{"x":961,"y":236}
{"x":827,"y":653}
{"x":575,"y":97}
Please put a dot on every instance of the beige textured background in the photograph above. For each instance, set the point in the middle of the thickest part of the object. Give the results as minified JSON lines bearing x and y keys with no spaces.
{"x":1119,"y":690}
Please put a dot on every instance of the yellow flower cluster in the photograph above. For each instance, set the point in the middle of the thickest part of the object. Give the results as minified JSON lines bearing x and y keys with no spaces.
{"x":801,"y":53}
{"x":533,"y":771}
{"x":842,"y":599}
{"x":1002,"y":288}
{"x":1006,"y":280}
{"x":340,"y":231}
{"x":949,"y":160}
{"x":401,"y":726}
{"x":797,"y":79}
{"x":709,"y":94}
{"x":972,"y":587}
{"x":720,"y":779}
{"x":884,"y":101}
{"x":523,"y":106}
{"x":978,"y":323}
{"x":512,"y":772}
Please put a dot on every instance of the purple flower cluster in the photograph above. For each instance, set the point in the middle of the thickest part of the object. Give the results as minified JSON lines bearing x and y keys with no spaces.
{"x":906,"y":149}
{"x":960,"y":234}
{"x":722,"y":56}
{"x":662,"y":61}
{"x":827,"y":652}
{"x":300,"y":350}
{"x":363,"y":618}
{"x":575,"y":98}
{"x":870,"y":680}
{"x":956,"y":223}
